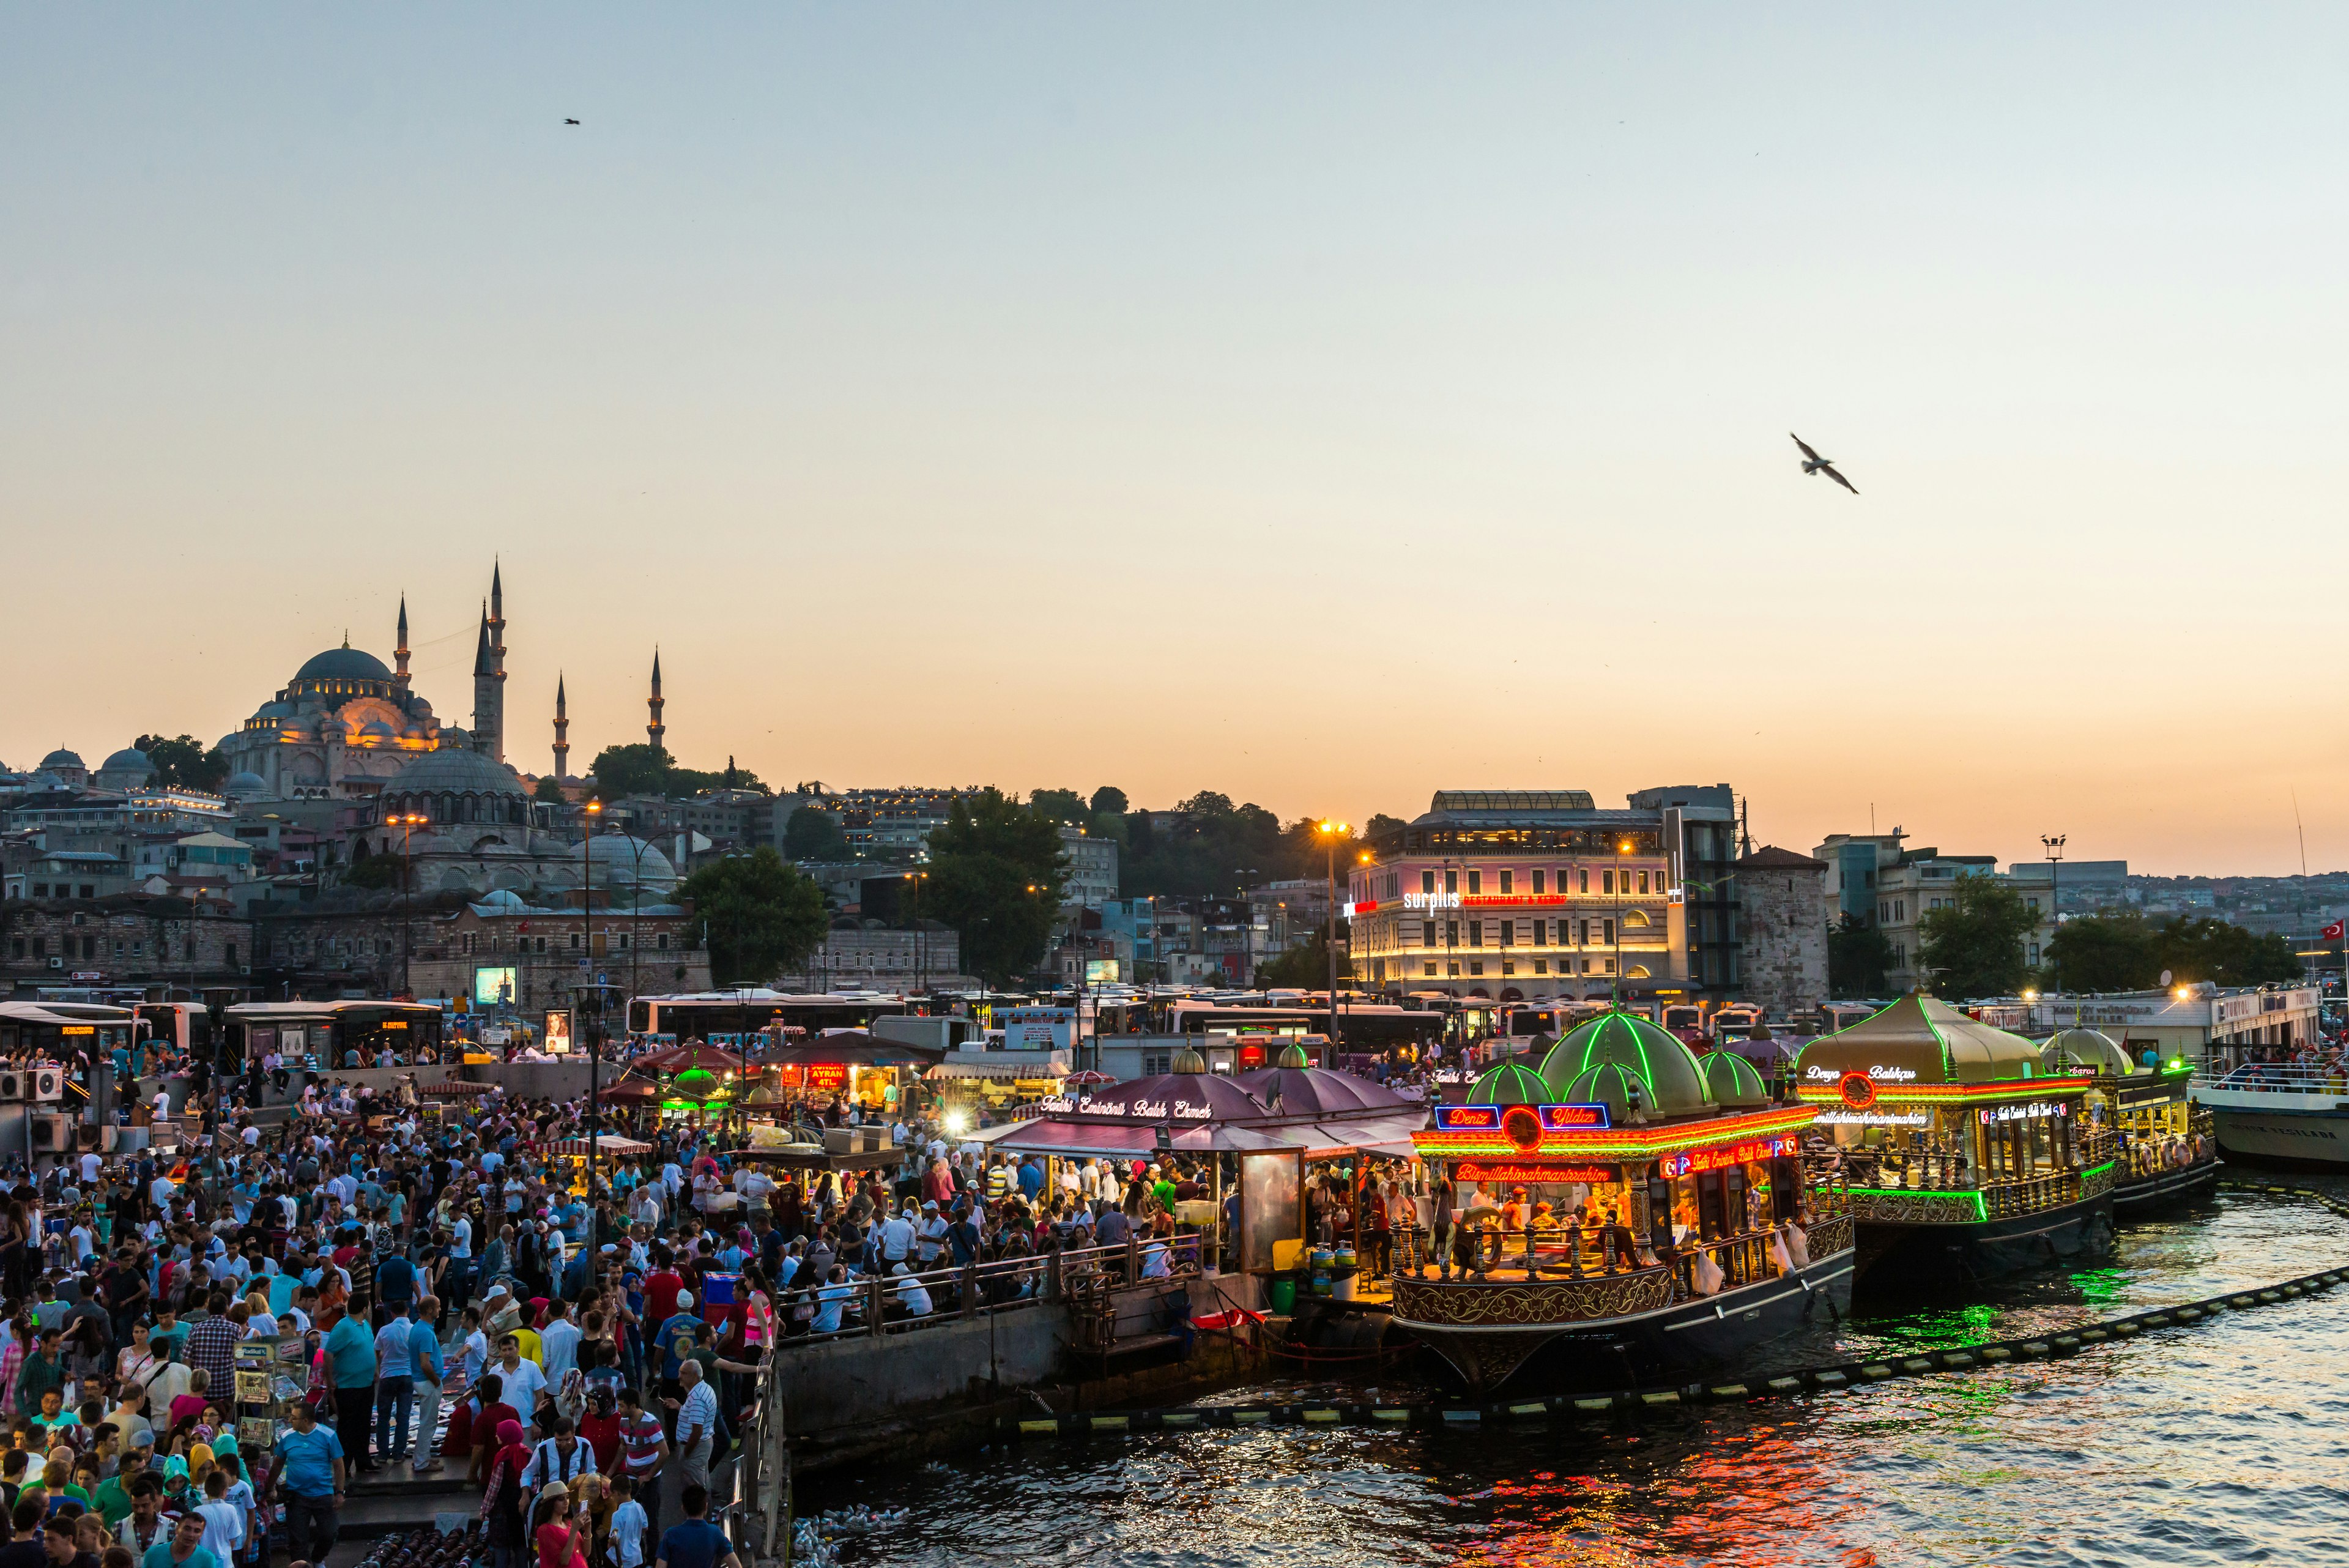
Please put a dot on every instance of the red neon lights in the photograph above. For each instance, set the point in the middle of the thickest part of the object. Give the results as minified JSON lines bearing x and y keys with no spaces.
{"x":1722,"y":1156}
{"x":1857,"y":1089}
{"x":1468,"y":1118}
{"x":1524,"y":1128}
{"x":1526,"y":1173}
{"x":1574,"y":1118}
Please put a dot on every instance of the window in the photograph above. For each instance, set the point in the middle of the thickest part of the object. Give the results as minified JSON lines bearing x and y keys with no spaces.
{"x":1427,"y":881}
{"x":1508,"y":933}
{"x":1476,"y":968}
{"x":1427,"y":933}
{"x":2034,"y":955}
{"x":574,"y":939}
{"x":1606,"y":881}
{"x":664,"y":940}
{"x":1541,"y":935}
{"x":1508,"y":883}
{"x":1451,"y":969}
{"x":1537,"y":883}
{"x":1541,"y":966}
{"x":89,"y":892}
{"x":1476,"y":880}
{"x":1451,"y":880}
{"x":16,"y":947}
{"x":1507,"y":968}
{"x":1582,"y":878}
{"x":1476,"y":933}
{"x":1606,"y":934}
{"x":1605,"y":966}
{"x":231,"y":959}
{"x":1450,"y":933}
{"x":40,"y":890}
{"x":1586,"y":935}
{"x":1428,"y":967}
{"x":1643,"y":881}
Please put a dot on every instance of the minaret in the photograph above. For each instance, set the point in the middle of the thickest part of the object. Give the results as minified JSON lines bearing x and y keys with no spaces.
{"x":656,"y":729}
{"x":562,"y":732}
{"x":399,"y":654}
{"x":485,"y":695}
{"x":497,"y":741}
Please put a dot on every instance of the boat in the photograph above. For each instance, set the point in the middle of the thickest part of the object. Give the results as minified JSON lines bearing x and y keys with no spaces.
{"x":1620,"y":1214}
{"x":2168,"y":1151}
{"x":1965,"y":1157}
{"x":2280,"y":1114}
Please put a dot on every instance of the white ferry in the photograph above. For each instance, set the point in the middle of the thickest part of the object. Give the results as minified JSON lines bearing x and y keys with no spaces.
{"x":2280,"y":1114}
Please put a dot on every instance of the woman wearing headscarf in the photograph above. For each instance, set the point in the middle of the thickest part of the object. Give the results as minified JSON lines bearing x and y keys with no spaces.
{"x":504,"y":1499}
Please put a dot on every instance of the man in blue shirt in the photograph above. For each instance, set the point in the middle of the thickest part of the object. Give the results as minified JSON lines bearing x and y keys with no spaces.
{"x":395,"y":1386}
{"x":424,"y":1365}
{"x":350,"y":1354}
{"x":1032,"y":1179}
{"x":309,"y":1481}
{"x":697,"y":1543}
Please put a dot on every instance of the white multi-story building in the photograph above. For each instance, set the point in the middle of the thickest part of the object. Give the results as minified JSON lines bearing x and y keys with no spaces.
{"x":1092,"y":868}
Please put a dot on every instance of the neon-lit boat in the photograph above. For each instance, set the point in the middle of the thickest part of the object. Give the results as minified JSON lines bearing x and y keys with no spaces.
{"x":1623,"y":1212}
{"x":1964,"y":1156}
{"x":2168,"y":1149}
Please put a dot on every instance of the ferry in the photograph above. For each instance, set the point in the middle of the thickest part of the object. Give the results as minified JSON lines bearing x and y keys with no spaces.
{"x":2280,"y":1114}
{"x":1622,"y":1212}
{"x":1965,"y":1157}
{"x":2169,"y":1151}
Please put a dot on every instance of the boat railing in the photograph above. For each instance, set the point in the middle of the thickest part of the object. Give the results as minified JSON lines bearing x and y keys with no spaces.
{"x":2276,"y":1078}
{"x":2029,"y":1195}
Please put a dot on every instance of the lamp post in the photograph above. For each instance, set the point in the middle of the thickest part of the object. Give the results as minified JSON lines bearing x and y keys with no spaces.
{"x":589,"y":814}
{"x":1622,"y":875}
{"x":1330,"y":832}
{"x":2054,"y":844}
{"x":407,"y":821}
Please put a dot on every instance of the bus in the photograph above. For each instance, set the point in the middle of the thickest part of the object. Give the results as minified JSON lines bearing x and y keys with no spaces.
{"x":702,"y":1013}
{"x":334,"y":1034}
{"x":184,"y":1027}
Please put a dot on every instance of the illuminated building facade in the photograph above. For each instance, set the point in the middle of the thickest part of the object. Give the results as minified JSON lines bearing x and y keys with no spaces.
{"x":1517,"y":895}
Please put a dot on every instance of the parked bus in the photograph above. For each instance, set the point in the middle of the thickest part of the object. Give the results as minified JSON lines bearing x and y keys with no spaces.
{"x":334,"y":1034}
{"x":700,"y":1014}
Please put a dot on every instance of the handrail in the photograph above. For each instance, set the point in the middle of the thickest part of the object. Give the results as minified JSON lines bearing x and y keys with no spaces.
{"x":2276,"y":1078}
{"x":958,"y":1292}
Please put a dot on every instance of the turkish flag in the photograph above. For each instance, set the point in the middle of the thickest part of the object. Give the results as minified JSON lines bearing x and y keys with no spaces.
{"x":2333,"y":932}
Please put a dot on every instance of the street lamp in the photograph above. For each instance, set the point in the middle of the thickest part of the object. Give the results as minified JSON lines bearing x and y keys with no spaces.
{"x":1330,"y":832}
{"x":593,"y":809}
{"x":2054,"y":844}
{"x":1622,"y":883}
{"x":407,"y":821}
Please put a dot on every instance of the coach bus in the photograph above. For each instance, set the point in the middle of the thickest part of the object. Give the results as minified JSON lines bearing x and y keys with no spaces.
{"x":334,"y":1034}
{"x":703,"y":1013}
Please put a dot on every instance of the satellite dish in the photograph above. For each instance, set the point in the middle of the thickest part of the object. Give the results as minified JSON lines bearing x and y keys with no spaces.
{"x":2165,"y":979}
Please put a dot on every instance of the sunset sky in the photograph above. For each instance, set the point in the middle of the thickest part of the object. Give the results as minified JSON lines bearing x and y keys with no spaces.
{"x":1321,"y":405}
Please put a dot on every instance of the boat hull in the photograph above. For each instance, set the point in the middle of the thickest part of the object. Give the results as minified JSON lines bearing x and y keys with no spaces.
{"x":2138,"y":1196}
{"x":1899,"y":1250}
{"x":2307,"y":1132}
{"x":1607,"y":1332}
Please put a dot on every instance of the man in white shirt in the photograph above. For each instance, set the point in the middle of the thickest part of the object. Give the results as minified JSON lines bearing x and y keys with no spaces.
{"x":223,"y":1521}
{"x":896,"y":1239}
{"x":912,"y":1293}
{"x":522,"y":1380}
{"x":90,"y":1164}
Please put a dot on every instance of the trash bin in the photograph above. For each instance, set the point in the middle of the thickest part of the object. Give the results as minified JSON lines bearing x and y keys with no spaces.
{"x":1284,"y":1295}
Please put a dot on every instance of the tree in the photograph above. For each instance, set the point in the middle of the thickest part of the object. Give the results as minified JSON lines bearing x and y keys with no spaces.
{"x":1380,"y":824}
{"x":996,"y":875}
{"x":1306,"y":967}
{"x":1972,"y":945}
{"x":1062,"y":806}
{"x":1857,"y":956}
{"x":1212,"y":847}
{"x":377,"y":872}
{"x":813,"y":833}
{"x":549,"y":792}
{"x":1109,"y":798}
{"x":2112,"y":950}
{"x":641,"y":769}
{"x":2225,"y":954}
{"x":763,"y":916}
{"x":183,"y":762}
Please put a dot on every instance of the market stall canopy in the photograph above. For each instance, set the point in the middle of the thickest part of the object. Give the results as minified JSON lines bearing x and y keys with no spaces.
{"x":1316,"y":1091}
{"x":606,"y":1143}
{"x":1919,"y":1040}
{"x":1033,"y":1070}
{"x":629,"y":1089}
{"x":691,"y":1058}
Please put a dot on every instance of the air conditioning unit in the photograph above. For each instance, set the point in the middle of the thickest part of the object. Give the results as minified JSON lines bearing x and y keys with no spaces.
{"x":47,"y":1084}
{"x":57,"y":963}
{"x":52,"y":1133}
{"x":87,"y":1135}
{"x":12,"y":1085}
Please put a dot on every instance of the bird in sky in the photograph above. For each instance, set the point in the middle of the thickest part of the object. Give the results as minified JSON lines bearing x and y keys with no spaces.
{"x":1814,"y":463}
{"x":570,"y":122}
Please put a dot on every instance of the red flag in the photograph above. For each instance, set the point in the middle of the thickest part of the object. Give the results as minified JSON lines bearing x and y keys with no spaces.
{"x":2333,"y":933}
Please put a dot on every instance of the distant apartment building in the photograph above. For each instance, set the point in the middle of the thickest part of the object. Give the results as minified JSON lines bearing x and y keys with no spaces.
{"x":857,"y":955}
{"x":892,"y":824}
{"x":1781,"y":927}
{"x":1522,"y":893}
{"x":1092,"y":868}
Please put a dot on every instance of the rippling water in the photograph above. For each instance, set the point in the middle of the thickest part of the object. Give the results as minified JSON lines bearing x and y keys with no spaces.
{"x":2225,"y":1444}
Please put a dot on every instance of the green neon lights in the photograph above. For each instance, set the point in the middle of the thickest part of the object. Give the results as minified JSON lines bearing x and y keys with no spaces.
{"x":1981,"y":1210}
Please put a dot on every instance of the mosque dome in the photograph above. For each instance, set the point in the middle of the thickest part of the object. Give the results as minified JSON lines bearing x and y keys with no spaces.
{"x":620,"y":858}
{"x":129,"y":758}
{"x":60,"y":758}
{"x":462,"y":773}
{"x":505,"y":900}
{"x":244,"y":786}
{"x":344,"y":663}
{"x":1676,"y":1084}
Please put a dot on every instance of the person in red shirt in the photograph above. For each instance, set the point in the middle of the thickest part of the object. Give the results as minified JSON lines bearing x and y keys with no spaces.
{"x":661,"y":1287}
{"x":494,"y":1411}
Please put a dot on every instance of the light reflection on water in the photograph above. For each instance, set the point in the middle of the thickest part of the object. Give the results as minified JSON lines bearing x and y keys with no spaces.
{"x":2224,"y":1444}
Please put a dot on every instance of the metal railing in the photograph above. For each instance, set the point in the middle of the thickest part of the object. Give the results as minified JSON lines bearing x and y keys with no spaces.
{"x":875,"y":1305}
{"x":2277,"y":1078}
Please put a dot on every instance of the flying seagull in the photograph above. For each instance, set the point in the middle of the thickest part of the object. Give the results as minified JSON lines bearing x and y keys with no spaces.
{"x":570,"y":122}
{"x":1814,"y":463}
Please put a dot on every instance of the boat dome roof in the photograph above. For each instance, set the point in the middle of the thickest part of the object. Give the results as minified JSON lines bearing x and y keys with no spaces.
{"x":1733,"y":1084}
{"x":1187,"y":1061}
{"x":1676,"y":1084}
{"x":1292,"y":1056}
{"x":1927,"y":1037}
{"x":1510,"y":1083}
{"x":2086,"y":1050}
{"x":1611,"y":1085}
